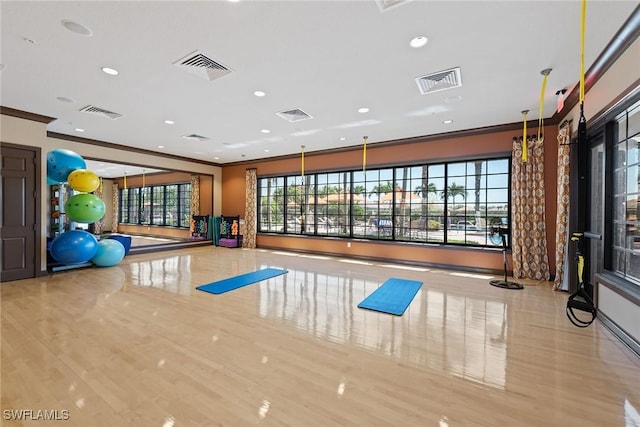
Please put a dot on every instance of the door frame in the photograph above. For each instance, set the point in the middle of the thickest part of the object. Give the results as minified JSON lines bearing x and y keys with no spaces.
{"x":37,"y":259}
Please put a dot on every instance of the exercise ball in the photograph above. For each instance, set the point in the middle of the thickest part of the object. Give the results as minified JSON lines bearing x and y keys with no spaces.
{"x":74,"y":247}
{"x":83,"y":180}
{"x":84,"y":208}
{"x":61,"y":162}
{"x":110,"y":252}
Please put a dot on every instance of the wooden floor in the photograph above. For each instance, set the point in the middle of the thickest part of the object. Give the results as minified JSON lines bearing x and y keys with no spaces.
{"x":137,"y":345}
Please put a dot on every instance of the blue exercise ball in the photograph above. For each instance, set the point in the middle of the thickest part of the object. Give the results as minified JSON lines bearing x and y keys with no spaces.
{"x":74,"y":247}
{"x":110,"y":252}
{"x":61,"y":162}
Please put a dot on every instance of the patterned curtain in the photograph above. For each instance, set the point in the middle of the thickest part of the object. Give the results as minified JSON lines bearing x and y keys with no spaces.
{"x":195,"y":194}
{"x":528,"y":234}
{"x":194,"y":202}
{"x":250,"y":218}
{"x":98,"y":226}
{"x":115,"y":207}
{"x":562,"y":218}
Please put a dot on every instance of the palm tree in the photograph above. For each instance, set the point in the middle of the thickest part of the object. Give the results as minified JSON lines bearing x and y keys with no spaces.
{"x":382,"y":189}
{"x":453,"y":191}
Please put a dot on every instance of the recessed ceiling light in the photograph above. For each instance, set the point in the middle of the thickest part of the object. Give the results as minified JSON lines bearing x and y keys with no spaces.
{"x":418,"y":41}
{"x":169,"y":122}
{"x":446,"y":122}
{"x":342,"y":138}
{"x":110,"y":71}
{"x":265,"y":131}
{"x":74,"y":27}
{"x":363,"y":110}
{"x":79,"y":130}
{"x":453,"y":99}
{"x":259,"y":93}
{"x":65,"y":99}
{"x":266,"y":150}
{"x":31,"y":41}
{"x":216,"y":158}
{"x":160,"y":146}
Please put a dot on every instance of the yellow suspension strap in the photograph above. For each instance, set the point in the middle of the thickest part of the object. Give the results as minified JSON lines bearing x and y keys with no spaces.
{"x":302,"y":161}
{"x":525,"y":156}
{"x":364,"y":153}
{"x":545,"y":73}
{"x":125,"y":180}
{"x":582,"y":37}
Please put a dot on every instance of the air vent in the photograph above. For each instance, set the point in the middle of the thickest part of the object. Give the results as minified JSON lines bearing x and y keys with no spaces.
{"x":439,"y":81}
{"x":91,"y":109}
{"x":385,"y":5}
{"x":202,"y":66}
{"x":294,"y":115}
{"x":195,"y":137}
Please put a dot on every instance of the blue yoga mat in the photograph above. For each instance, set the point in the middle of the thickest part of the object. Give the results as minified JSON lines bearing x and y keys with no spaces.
{"x":236,"y":282}
{"x":393,"y":296}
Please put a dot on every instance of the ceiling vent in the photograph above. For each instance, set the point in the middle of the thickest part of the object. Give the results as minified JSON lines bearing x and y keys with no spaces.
{"x":202,"y":66}
{"x":385,"y":5}
{"x":97,"y":111}
{"x":294,"y":115}
{"x":439,"y":81}
{"x":195,"y":137}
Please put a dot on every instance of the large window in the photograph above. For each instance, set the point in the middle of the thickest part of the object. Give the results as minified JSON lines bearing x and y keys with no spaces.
{"x":163,"y":205}
{"x":626,"y":180}
{"x":457,"y":203}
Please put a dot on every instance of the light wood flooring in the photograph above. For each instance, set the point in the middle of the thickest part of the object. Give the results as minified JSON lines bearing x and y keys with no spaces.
{"x":137,"y":345}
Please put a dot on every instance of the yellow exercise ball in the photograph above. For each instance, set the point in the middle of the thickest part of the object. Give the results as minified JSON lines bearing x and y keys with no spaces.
{"x":83,"y":180}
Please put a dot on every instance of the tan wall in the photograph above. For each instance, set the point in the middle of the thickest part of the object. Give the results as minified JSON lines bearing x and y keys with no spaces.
{"x":497,"y":143}
{"x":152,"y":230}
{"x":623,"y":74}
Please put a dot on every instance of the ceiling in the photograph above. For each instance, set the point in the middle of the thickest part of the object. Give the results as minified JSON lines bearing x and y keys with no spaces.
{"x":325,"y":58}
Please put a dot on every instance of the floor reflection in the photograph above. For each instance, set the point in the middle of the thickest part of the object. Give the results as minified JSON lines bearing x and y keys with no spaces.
{"x":465,"y":336}
{"x":171,"y":273}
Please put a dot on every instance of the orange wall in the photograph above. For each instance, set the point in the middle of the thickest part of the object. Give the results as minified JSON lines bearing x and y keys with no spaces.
{"x":496,"y":143}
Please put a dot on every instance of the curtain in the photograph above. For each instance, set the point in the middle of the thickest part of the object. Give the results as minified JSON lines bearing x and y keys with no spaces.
{"x":194,"y":202}
{"x":195,"y":194}
{"x":98,"y":226}
{"x":115,"y":209}
{"x":562,"y":217}
{"x":250,"y":219}
{"x":528,"y":232}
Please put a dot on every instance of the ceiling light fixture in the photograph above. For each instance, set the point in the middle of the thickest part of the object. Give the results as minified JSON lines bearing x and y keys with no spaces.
{"x":160,"y":146}
{"x":266,"y":150}
{"x":74,"y":27}
{"x":110,"y":71}
{"x":259,"y":93}
{"x":342,"y":138}
{"x":265,"y":131}
{"x":446,"y":122}
{"x":169,"y":122}
{"x":418,"y":42}
{"x":79,"y":130}
{"x":30,"y":41}
{"x":453,"y":99}
{"x":65,"y":99}
{"x":216,"y":158}
{"x":363,"y":110}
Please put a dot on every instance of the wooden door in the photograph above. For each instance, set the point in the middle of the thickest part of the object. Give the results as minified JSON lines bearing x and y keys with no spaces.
{"x":18,"y":224}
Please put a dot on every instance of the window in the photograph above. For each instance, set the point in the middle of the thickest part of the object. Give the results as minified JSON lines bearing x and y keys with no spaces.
{"x":625,"y":188}
{"x":161,"y":205}
{"x":451,"y":203}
